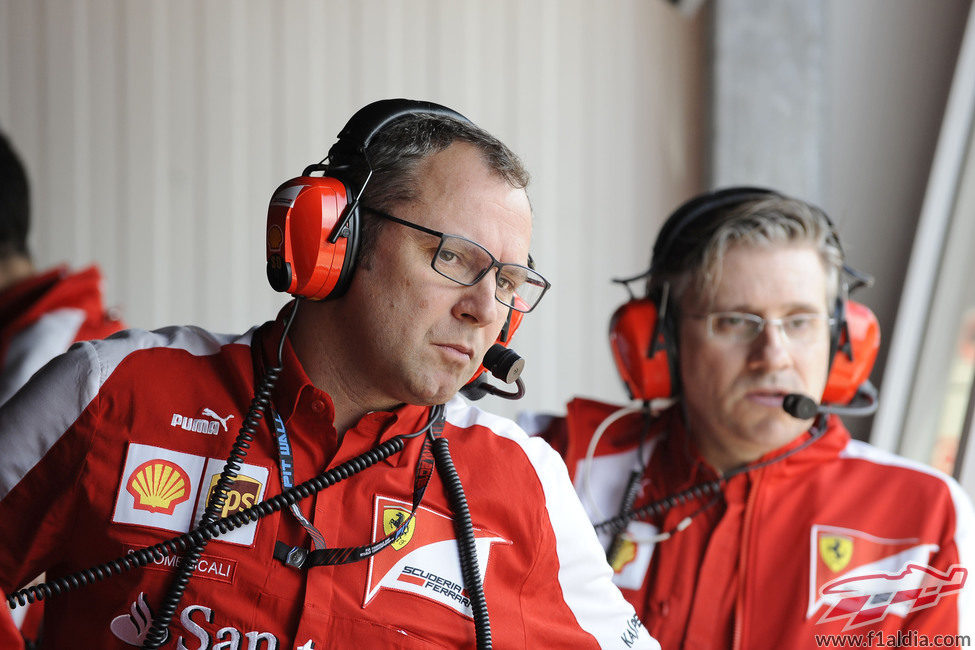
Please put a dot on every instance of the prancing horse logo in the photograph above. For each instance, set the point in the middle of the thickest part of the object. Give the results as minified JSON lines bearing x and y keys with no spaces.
{"x":836,"y":551}
{"x":393,"y":518}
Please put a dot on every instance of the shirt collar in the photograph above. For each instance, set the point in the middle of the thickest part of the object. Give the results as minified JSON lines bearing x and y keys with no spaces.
{"x":688,"y":464}
{"x":292,"y":378}
{"x":372,"y":429}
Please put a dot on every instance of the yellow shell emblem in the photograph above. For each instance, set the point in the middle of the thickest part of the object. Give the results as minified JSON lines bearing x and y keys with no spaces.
{"x":836,"y":551}
{"x":158,"y":486}
{"x":624,"y":555}
{"x":393,"y":518}
{"x":274,"y":238}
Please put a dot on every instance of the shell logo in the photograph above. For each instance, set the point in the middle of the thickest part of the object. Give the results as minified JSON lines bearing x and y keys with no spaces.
{"x":274,"y":238}
{"x":158,"y":486}
{"x":624,"y":555}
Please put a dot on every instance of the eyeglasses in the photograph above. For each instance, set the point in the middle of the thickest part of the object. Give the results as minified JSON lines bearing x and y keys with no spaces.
{"x":742,"y":327}
{"x":467,"y":262}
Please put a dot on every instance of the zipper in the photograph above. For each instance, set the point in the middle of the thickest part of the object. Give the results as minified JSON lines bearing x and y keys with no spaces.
{"x":754,"y":479}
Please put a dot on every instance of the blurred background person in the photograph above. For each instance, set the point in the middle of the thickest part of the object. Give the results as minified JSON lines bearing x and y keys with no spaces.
{"x":41,"y":312}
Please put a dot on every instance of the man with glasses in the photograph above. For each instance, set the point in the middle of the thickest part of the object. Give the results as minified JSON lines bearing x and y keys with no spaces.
{"x":406,"y":541}
{"x":467,"y":262}
{"x":736,"y":511}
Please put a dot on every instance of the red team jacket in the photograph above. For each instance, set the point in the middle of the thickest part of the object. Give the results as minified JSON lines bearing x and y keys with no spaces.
{"x":838,"y":538}
{"x":43,"y":315}
{"x":40,"y":317}
{"x":116,"y":445}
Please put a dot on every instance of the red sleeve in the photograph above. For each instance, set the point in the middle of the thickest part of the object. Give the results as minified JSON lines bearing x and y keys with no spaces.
{"x":46,"y":432}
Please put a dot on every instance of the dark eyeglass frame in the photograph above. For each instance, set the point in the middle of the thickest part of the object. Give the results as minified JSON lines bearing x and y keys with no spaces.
{"x":495,"y":264}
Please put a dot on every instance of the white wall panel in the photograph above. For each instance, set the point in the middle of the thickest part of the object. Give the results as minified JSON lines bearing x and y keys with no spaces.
{"x":155,"y":132}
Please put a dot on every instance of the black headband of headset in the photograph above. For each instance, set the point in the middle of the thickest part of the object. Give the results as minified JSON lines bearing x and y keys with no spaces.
{"x":692,"y":224}
{"x":355,"y":136}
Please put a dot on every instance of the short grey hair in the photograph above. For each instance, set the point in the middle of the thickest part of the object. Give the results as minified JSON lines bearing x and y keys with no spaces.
{"x":762,"y":222}
{"x":395,"y":155}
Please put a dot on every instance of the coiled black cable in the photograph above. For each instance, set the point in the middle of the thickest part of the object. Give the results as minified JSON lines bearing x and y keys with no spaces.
{"x":464,"y":531}
{"x":463,"y":528}
{"x":616,"y":524}
{"x":632,"y":489}
{"x":159,"y":631}
{"x":629,"y":497}
{"x":212,"y":529}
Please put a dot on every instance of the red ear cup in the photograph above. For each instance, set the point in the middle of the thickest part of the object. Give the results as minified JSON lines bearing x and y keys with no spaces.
{"x":630,"y":330}
{"x":300,"y":218}
{"x":851,"y":369}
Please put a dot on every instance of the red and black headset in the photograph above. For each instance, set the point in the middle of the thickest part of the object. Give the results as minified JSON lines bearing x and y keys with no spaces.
{"x":314,"y":225}
{"x":642,"y":331}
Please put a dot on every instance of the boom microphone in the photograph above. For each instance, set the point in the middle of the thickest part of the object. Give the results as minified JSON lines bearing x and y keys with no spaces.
{"x":801,"y":406}
{"x":504,"y":363}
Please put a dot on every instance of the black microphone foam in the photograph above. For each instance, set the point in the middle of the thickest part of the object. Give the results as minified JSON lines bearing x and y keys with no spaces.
{"x":505,"y":364}
{"x":800,"y":406}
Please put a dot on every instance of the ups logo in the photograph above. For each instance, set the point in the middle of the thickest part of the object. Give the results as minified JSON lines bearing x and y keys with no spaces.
{"x":241,"y":493}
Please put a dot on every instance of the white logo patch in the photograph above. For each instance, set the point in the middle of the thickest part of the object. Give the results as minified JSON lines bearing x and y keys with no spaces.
{"x":168,"y":490}
{"x":862,"y":554}
{"x":426,"y":563}
{"x":159,"y":488}
{"x":246,"y":490}
{"x":132,"y":628}
{"x":635,"y":554}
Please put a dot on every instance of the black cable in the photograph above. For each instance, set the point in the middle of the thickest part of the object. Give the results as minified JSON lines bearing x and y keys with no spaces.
{"x":518,"y":393}
{"x":466,"y":545}
{"x":159,"y":631}
{"x":632,"y":488}
{"x":657,"y":508}
{"x":221,"y":526}
{"x":629,"y":496}
{"x":215,"y":528}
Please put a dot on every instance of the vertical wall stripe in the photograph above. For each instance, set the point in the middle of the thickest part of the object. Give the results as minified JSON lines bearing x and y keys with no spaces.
{"x":155,"y":133}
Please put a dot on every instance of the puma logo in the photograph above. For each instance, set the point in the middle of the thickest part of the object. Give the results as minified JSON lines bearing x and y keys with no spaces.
{"x":223,"y":421}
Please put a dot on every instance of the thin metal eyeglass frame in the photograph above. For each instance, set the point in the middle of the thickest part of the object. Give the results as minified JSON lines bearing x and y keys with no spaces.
{"x":764,"y":322}
{"x":495,"y":264}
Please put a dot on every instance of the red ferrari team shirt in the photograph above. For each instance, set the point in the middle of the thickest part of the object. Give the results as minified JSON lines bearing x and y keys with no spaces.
{"x":43,"y":315}
{"x":117,"y":445}
{"x":838,"y":538}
